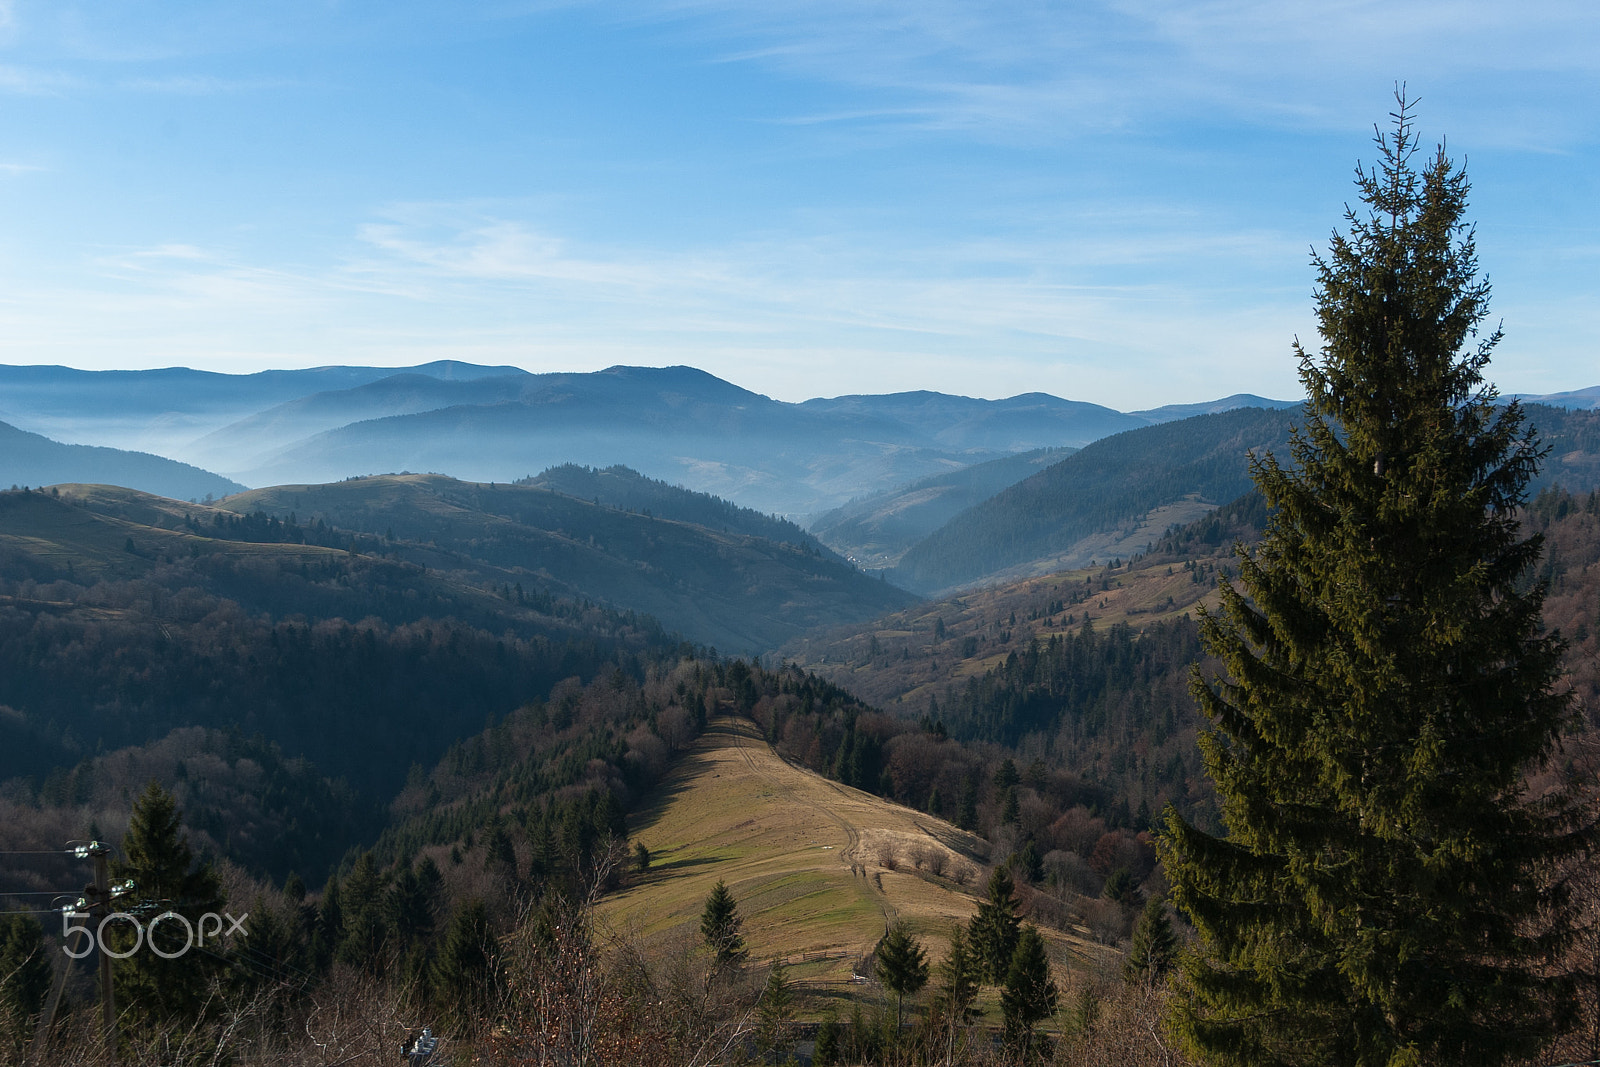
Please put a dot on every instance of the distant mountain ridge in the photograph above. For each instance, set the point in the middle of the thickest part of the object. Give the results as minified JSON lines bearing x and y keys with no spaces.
{"x":1576,"y":399}
{"x":1173,"y":412}
{"x":678,"y":424}
{"x":32,"y":459}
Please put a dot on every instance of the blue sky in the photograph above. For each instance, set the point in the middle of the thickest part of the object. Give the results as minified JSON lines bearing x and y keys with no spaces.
{"x":1110,"y":201}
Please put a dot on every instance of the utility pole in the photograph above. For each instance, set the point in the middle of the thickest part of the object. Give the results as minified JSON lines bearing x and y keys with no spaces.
{"x":97,"y":898}
{"x":100,"y":853}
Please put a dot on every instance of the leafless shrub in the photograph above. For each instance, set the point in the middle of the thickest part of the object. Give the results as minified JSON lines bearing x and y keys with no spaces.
{"x":1108,"y":921}
{"x":1114,"y":1024}
{"x":355,"y":1021}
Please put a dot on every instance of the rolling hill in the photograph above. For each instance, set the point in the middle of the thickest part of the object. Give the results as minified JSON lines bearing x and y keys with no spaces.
{"x":622,"y":487}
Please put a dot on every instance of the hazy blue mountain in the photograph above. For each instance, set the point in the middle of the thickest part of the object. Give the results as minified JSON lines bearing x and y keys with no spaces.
{"x":675,"y":423}
{"x":1122,"y":492}
{"x":249,"y":441}
{"x":1173,"y":412}
{"x":31,"y":459}
{"x":1580,"y":399}
{"x":165,"y":409}
{"x":625,"y":488}
{"x":961,"y":423}
{"x":876,"y":530}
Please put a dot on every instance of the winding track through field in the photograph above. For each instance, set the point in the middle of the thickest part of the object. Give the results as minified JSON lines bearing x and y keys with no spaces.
{"x":851,"y":853}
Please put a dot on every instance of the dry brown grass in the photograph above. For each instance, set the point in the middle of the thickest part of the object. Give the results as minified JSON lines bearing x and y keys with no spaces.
{"x":819,"y":869}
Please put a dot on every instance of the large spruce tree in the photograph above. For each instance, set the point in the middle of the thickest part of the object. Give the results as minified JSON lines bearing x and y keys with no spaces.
{"x":155,"y":990}
{"x":720,"y":925}
{"x":1383,"y":893}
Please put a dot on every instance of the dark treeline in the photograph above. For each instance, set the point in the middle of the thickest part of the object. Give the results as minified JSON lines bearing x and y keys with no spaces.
{"x":260,"y":528}
{"x":242,"y":799}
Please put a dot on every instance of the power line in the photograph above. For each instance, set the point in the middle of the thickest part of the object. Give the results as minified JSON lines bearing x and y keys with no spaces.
{"x":23,"y":911}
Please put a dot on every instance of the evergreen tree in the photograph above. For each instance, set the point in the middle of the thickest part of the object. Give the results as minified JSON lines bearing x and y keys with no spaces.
{"x":902,"y":967}
{"x":959,"y":977}
{"x":995,"y":928}
{"x":1154,"y":944}
{"x":777,"y":1008}
{"x":151,"y":989}
{"x":466,"y":972}
{"x":967,"y":813}
{"x":828,"y":1051}
{"x":367,"y":912}
{"x":1005,"y":776}
{"x":329,"y":930}
{"x":1382,"y":895}
{"x":24,"y":978}
{"x":410,"y":909}
{"x":1010,"y":810}
{"x":499,"y":855}
{"x":720,"y":925}
{"x":1029,"y":995}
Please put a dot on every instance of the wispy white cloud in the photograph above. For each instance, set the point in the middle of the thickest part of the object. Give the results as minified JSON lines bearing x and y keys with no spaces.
{"x":31,"y":81}
{"x":794,"y":317}
{"x":202,"y":84}
{"x":1051,"y":71}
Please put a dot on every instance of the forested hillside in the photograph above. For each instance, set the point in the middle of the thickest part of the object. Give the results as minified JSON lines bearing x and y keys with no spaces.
{"x":877,"y":530}
{"x":717,"y":583}
{"x":1117,"y":481}
{"x":115,"y":635}
{"x":1066,"y":515}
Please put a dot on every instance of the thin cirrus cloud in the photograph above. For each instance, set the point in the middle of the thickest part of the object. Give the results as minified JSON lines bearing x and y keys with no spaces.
{"x":1055,"y":70}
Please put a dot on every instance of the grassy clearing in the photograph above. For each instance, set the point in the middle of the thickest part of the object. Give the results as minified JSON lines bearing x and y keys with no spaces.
{"x":818,"y":868}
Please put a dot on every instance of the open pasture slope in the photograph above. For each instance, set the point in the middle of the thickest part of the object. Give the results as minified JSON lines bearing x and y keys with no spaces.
{"x":818,"y":868}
